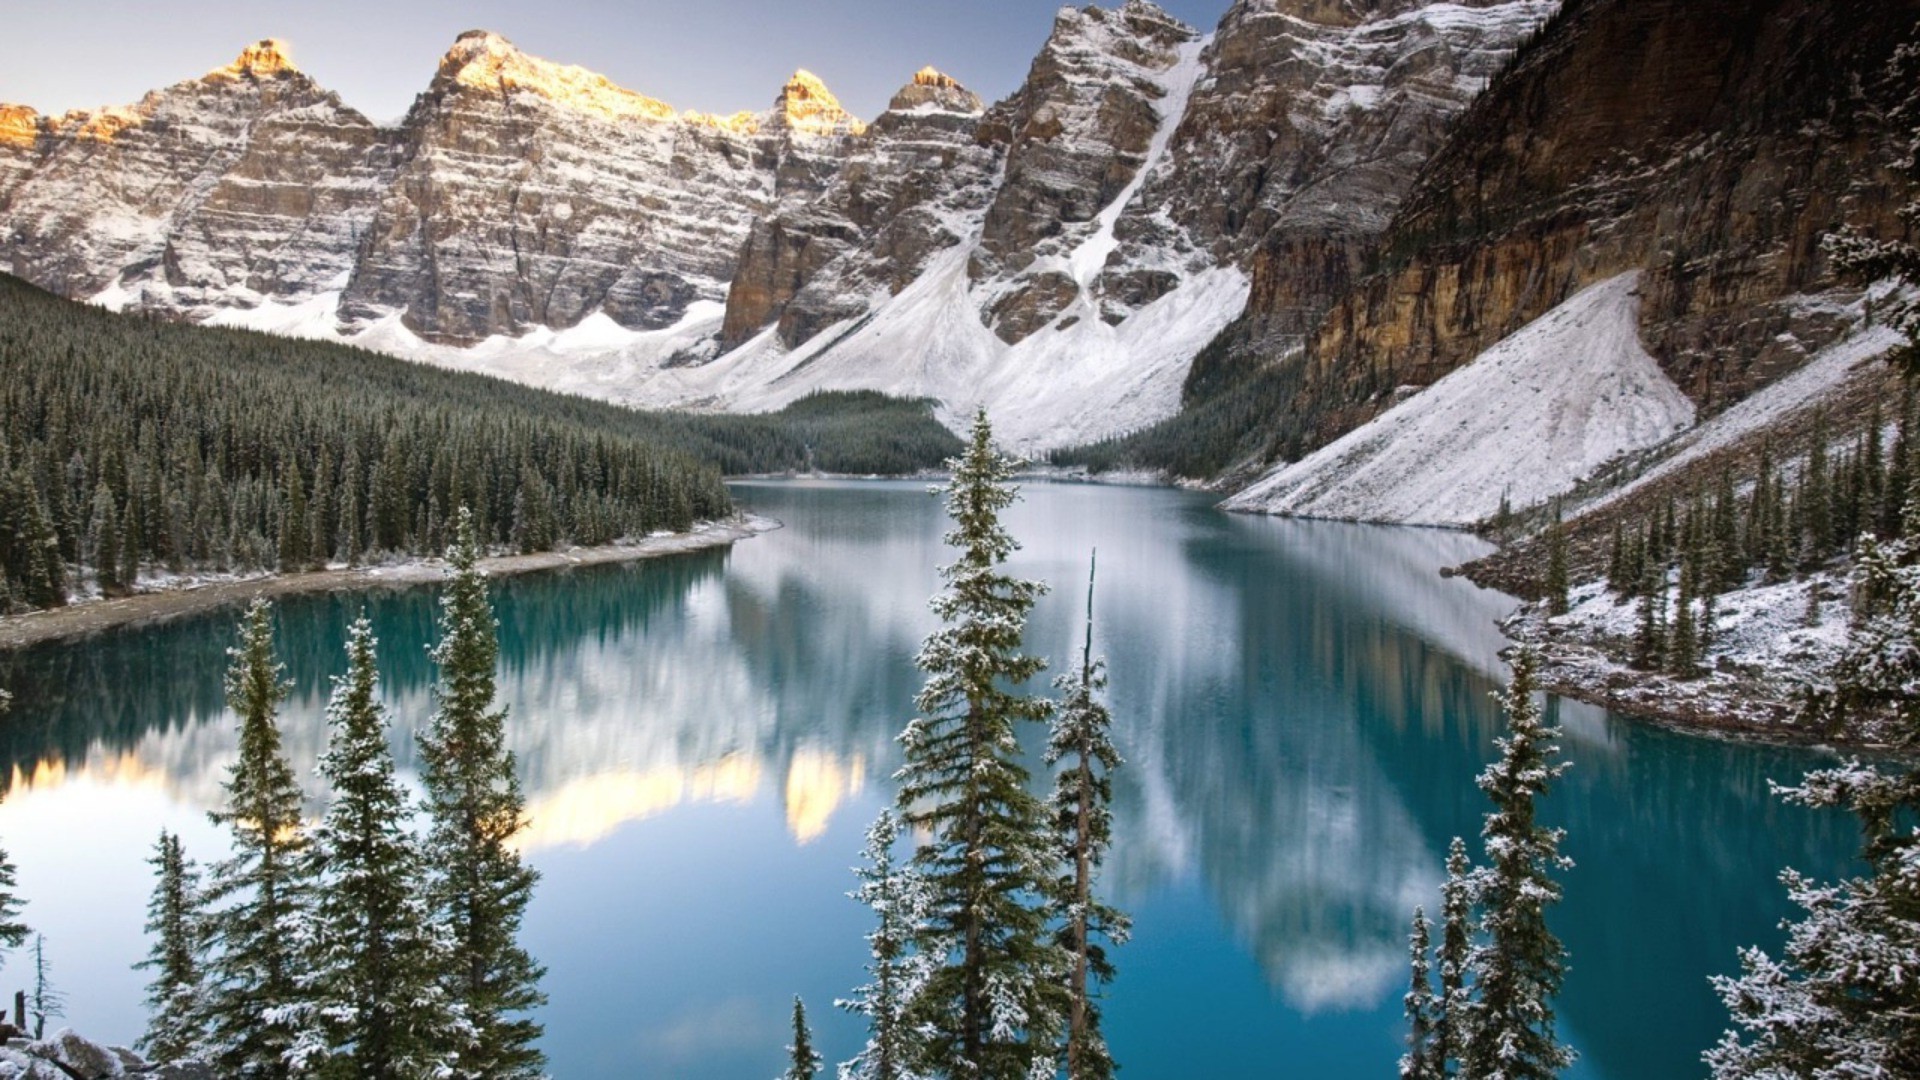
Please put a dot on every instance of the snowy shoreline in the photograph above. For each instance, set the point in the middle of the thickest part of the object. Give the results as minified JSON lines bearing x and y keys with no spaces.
{"x":88,"y":617}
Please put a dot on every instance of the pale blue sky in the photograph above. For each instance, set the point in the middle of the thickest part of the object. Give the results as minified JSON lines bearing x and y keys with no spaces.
{"x":715,"y":55}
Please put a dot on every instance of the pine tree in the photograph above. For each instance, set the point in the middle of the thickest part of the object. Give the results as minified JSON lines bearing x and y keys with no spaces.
{"x":1453,"y":1019}
{"x":1084,"y":823}
{"x":1422,"y":1008}
{"x":376,"y":1009}
{"x":260,"y":893}
{"x":47,"y":1001}
{"x":103,"y":544}
{"x":12,"y":930}
{"x":1845,"y":1002}
{"x":1517,"y":968}
{"x":481,"y":887}
{"x":899,"y":900}
{"x":993,"y":1005}
{"x":176,"y":920}
{"x":804,"y":1063}
{"x":1557,"y":603}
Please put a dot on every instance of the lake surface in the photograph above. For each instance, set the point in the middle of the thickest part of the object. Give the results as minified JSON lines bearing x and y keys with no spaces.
{"x":704,"y":739}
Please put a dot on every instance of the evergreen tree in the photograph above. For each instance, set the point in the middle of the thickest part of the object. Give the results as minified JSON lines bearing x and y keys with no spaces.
{"x":1557,"y":585}
{"x":993,"y":1004}
{"x":12,"y":930}
{"x":1422,"y":1008}
{"x":1845,"y":1001}
{"x":103,"y":541}
{"x":1453,"y":1022}
{"x":376,"y":1008}
{"x":1082,"y":819}
{"x":1517,"y":968}
{"x":47,"y":1001}
{"x":481,"y":887}
{"x":804,"y":1063}
{"x":176,"y":920}
{"x":899,"y":900}
{"x":261,"y":892}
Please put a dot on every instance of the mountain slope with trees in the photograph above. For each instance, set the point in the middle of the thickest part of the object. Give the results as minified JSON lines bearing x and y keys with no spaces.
{"x":129,"y":445}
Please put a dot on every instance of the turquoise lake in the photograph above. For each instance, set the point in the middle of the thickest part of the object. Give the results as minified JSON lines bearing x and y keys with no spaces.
{"x":704,"y":738}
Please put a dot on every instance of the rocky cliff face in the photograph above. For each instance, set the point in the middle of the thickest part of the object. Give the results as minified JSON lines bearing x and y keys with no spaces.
{"x":534,"y":194}
{"x":516,"y":193}
{"x":250,"y":182}
{"x":1310,"y":129}
{"x":1708,"y":143}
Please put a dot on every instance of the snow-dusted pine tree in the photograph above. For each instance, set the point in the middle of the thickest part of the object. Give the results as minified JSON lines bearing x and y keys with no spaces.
{"x":994,"y":1004}
{"x":1081,"y":746}
{"x":803,"y":1063}
{"x":1453,"y":1019}
{"x":898,"y":898}
{"x":1421,"y":1005}
{"x":176,"y":920}
{"x":259,"y":895}
{"x":1845,"y":1002}
{"x":481,"y":887}
{"x":1872,"y":259}
{"x":1516,"y":968}
{"x":376,"y":1008}
{"x":47,"y":1002}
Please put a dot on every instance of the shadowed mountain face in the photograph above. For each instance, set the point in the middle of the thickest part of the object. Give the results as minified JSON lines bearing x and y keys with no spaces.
{"x":1709,"y":144}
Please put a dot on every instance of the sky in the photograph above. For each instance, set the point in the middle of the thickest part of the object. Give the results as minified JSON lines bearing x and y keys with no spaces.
{"x":718,"y":56}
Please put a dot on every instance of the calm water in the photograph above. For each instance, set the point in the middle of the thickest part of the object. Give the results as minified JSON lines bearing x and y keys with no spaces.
{"x":704,"y":739}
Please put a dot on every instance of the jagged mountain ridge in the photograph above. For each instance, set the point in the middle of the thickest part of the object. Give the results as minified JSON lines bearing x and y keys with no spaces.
{"x":1063,"y":253}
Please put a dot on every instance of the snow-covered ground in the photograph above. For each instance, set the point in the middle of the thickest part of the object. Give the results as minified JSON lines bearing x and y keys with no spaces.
{"x":1767,"y":642}
{"x":1527,"y":419}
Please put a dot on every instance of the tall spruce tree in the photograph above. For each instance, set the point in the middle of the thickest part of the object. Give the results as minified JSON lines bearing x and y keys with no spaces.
{"x":176,"y":921}
{"x":1453,"y":1022}
{"x":481,"y":887}
{"x":1081,"y":746}
{"x":1517,"y":966}
{"x":12,"y":930}
{"x":802,"y":1062}
{"x":260,"y":894}
{"x":899,"y":900}
{"x":1422,"y":1007}
{"x":376,"y":1008}
{"x":994,"y":1004}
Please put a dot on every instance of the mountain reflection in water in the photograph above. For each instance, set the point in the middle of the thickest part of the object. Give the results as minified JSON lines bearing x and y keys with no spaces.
{"x":1302,"y":706}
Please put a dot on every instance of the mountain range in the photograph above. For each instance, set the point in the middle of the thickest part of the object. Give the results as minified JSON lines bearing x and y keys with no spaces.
{"x":1354,"y":197}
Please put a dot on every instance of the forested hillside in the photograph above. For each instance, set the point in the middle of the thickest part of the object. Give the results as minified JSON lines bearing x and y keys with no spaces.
{"x":133,"y":445}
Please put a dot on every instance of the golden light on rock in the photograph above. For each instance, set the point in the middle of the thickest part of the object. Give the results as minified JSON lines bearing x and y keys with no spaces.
{"x":19,"y":125}
{"x":265,"y":58}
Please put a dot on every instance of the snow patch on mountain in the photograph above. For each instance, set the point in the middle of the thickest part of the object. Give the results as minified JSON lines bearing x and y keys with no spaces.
{"x":1528,"y":419}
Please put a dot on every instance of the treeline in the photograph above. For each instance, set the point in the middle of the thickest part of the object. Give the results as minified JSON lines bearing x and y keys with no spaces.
{"x":130,"y":445}
{"x":1229,"y":415}
{"x":1785,"y":518}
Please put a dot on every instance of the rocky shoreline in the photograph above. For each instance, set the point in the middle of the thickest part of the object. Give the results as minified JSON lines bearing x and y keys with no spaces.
{"x":89,"y":617}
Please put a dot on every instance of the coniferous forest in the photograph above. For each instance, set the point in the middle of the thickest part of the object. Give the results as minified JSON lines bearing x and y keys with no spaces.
{"x":132,"y":446}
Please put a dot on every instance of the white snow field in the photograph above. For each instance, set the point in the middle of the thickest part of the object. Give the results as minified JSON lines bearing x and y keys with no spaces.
{"x":1528,"y":418}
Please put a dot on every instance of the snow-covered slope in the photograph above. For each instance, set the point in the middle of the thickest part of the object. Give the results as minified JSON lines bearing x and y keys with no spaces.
{"x":1527,"y":419}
